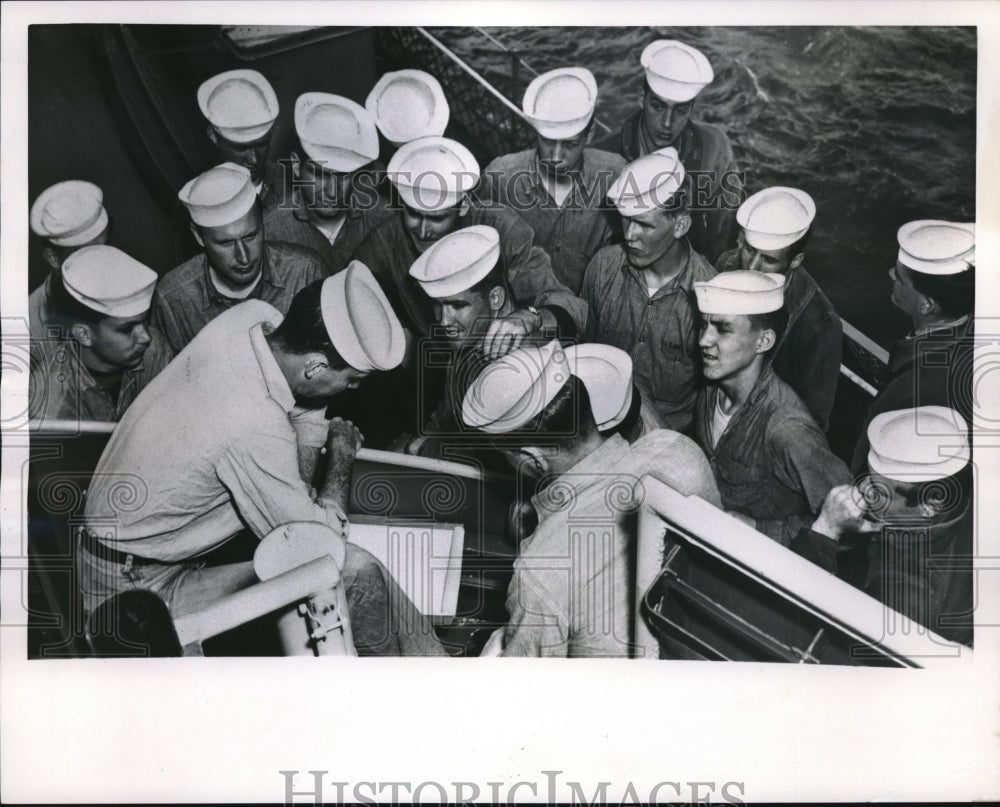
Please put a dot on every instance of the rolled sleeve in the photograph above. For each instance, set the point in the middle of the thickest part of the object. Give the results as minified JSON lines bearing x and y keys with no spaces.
{"x":261,"y":474}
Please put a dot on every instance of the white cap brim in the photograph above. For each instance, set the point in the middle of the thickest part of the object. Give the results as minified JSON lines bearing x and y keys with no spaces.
{"x":647,"y":183}
{"x":239,"y":122}
{"x":776,"y":217}
{"x":407,"y":105}
{"x":513,"y":390}
{"x":360,"y":321}
{"x":606,"y":372}
{"x":108,"y":281}
{"x":560,"y":103}
{"x":935,"y":247}
{"x":457,"y":262}
{"x":918,"y":445}
{"x":675,"y":72}
{"x":433,"y":173}
{"x":219,"y":196}
{"x":335,"y":132}
{"x":741,"y":292}
{"x":70,"y":213}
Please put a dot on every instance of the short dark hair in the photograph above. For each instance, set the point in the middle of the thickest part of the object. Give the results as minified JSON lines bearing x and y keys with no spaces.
{"x":646,"y":90}
{"x":955,"y":294}
{"x":67,"y":311}
{"x":775,"y":321}
{"x":567,"y":419}
{"x":303,"y":329}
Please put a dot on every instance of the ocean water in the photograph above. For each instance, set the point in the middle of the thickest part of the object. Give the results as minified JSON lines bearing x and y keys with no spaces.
{"x":877,"y":124}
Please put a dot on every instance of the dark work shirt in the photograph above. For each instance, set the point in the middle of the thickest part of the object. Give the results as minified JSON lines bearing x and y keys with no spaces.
{"x":292,"y":225}
{"x":708,"y":160}
{"x":660,"y":333}
{"x":64,"y":388}
{"x":807,"y":357}
{"x":933,"y":369}
{"x":186,"y":300}
{"x":772,"y":463}
{"x":920,"y":569}
{"x":571,"y":232}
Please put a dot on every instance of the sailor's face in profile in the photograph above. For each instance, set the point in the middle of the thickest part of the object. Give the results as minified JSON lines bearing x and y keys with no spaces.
{"x":664,"y":120}
{"x":426,"y":227}
{"x":904,"y":295}
{"x":771,"y":261}
{"x":649,"y":235}
{"x":464,"y":314}
{"x":120,"y":342}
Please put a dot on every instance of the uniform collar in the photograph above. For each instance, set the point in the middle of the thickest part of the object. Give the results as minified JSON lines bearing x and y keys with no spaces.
{"x":211,"y":295}
{"x":587,"y":471}
{"x":274,"y":379}
{"x":682,"y":280}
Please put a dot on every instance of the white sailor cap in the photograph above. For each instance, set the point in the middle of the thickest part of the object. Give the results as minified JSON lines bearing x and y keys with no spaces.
{"x":69,"y":213}
{"x":433,"y":173}
{"x":741,"y":292}
{"x":240,"y":104}
{"x":647,"y":183}
{"x":606,"y":372}
{"x":560,"y":103}
{"x":918,"y":445}
{"x":777,"y":217}
{"x":359,"y":320}
{"x":219,"y":196}
{"x":458,"y":261}
{"x":108,"y":281}
{"x":937,"y":247}
{"x":407,"y":104}
{"x":676,"y":72}
{"x":335,"y":131}
{"x":512,"y":390}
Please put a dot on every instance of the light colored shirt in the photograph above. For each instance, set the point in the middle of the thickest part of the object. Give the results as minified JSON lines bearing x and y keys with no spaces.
{"x":208,"y":447}
{"x":571,"y":593}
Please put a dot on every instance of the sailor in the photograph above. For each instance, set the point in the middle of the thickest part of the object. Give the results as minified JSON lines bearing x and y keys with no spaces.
{"x":100,"y":299}
{"x":917,"y":502}
{"x":463,"y":275}
{"x":774,"y":228}
{"x":560,"y":186}
{"x":639,"y":293}
{"x":675,"y":74}
{"x":770,"y":459}
{"x":67,"y":216}
{"x":237,"y":263}
{"x":335,"y":196}
{"x":433,"y":177}
{"x":572,"y":591}
{"x":241,"y":108}
{"x":246,"y":398}
{"x":934,"y":282}
{"x":407,"y":105}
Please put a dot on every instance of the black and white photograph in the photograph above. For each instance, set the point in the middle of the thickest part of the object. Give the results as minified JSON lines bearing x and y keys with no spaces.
{"x":419,"y":402}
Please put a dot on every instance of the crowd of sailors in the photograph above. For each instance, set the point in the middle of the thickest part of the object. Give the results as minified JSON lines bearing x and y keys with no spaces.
{"x":612,"y":307}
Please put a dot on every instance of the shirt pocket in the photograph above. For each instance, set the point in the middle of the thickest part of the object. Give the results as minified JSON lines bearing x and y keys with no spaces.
{"x":673,"y":372}
{"x":741,"y":484}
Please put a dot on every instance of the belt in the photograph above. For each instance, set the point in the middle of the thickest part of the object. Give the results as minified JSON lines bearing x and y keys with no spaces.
{"x":102,"y":551}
